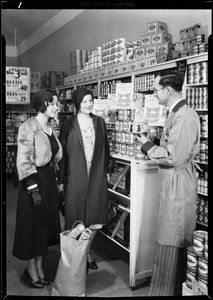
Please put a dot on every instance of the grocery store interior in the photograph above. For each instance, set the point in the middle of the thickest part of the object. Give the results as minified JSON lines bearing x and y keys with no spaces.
{"x":62,"y":49}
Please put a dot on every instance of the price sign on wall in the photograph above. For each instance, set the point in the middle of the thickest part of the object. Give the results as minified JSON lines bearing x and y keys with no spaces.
{"x":17,"y":85}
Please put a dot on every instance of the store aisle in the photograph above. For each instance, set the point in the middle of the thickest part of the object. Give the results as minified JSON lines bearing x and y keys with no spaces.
{"x":110,"y":280}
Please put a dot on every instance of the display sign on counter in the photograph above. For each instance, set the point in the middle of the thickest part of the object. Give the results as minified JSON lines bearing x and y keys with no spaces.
{"x":17,"y":85}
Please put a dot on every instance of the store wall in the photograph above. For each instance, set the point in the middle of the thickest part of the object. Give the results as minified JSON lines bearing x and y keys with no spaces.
{"x":93,"y":28}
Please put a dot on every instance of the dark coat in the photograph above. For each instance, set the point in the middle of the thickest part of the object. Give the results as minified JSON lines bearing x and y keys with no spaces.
{"x":85,"y":196}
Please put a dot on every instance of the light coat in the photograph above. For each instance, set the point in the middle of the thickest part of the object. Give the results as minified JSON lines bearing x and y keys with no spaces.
{"x":179,"y":144}
{"x":34,"y":149}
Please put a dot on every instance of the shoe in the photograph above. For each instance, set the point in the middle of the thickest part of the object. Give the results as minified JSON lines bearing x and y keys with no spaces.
{"x":44,"y":281}
{"x":92,"y":265}
{"x":31,"y":282}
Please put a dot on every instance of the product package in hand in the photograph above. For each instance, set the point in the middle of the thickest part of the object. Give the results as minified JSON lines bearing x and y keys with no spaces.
{"x":140,"y":127}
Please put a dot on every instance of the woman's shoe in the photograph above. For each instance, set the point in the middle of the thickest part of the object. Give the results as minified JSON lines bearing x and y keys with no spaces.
{"x":31,"y":282}
{"x":92,"y":265}
{"x":44,"y":281}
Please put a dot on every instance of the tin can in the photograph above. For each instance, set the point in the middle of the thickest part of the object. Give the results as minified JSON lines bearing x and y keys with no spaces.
{"x":192,"y":261}
{"x":200,"y":38}
{"x":126,"y":125}
{"x":203,"y":280}
{"x":198,"y":241}
{"x":117,"y":148}
{"x":121,"y":114}
{"x":131,"y":150}
{"x":202,"y":266}
{"x":206,"y":247}
{"x":202,"y":47}
{"x":118,"y":125}
{"x":123,"y":149}
{"x":190,"y":277}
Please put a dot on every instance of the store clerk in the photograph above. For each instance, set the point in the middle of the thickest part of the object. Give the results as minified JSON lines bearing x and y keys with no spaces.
{"x":174,"y":152}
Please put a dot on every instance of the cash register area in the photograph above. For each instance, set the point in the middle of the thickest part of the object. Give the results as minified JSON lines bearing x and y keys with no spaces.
{"x":110,"y":280}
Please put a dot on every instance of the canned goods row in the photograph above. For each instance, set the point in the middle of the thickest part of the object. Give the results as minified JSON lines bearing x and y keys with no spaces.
{"x":109,"y":87}
{"x":144,"y":83}
{"x":199,"y":48}
{"x":131,"y":150}
{"x":197,"y":73}
{"x":125,"y":114}
{"x":202,"y":211}
{"x":197,"y":97}
{"x":202,"y":186}
{"x":134,"y":127}
{"x":196,"y":264}
{"x":202,"y":154}
{"x":204,"y":127}
{"x":64,"y":107}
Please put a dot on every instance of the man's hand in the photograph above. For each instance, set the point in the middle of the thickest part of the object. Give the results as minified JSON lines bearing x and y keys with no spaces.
{"x":141,"y":138}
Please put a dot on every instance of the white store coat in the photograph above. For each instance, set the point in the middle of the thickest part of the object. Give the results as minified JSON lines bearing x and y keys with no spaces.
{"x":179,"y":144}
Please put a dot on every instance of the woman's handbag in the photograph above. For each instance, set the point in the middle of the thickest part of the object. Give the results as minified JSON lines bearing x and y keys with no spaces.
{"x":70,"y":277}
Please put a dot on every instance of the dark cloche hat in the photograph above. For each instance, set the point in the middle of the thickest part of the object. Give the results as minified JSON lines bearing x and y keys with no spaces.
{"x":78,"y":96}
{"x":40,"y":97}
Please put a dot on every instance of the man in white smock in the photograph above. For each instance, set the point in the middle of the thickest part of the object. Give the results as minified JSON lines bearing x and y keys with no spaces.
{"x":174,"y":152}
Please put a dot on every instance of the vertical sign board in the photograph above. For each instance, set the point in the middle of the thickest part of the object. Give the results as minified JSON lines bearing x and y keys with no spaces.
{"x":17,"y":85}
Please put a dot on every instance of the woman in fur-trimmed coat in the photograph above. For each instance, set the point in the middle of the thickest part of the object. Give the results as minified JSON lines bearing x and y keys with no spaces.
{"x":37,"y":216}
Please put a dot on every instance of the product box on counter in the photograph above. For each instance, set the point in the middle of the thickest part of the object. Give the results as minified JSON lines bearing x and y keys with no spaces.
{"x":161,"y":37}
{"x":156,"y":26}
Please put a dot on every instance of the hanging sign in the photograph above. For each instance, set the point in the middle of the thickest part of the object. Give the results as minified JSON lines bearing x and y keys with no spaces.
{"x":17,"y":85}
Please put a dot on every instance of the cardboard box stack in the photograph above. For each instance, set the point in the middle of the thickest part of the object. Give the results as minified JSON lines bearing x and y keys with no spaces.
{"x":157,"y":41}
{"x":193,"y":40}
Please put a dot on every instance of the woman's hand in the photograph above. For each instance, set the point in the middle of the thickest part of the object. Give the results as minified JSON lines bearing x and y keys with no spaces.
{"x":61,"y":187}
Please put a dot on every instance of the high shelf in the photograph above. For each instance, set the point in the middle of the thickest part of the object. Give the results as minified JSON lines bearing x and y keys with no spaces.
{"x":133,"y":198}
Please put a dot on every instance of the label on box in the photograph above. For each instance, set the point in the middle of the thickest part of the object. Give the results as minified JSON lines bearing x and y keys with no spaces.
{"x":145,"y":39}
{"x":156,"y":26}
{"x":150,"y":50}
{"x":161,"y":57}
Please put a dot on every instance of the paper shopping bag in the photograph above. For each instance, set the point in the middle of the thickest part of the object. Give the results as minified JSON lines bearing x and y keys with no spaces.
{"x":70,"y":277}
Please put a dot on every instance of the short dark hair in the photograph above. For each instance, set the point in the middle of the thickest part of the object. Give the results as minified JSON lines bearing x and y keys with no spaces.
{"x":170,"y":78}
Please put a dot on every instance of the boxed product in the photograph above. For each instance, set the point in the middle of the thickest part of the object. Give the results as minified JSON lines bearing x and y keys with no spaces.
{"x":140,"y":51}
{"x":156,"y":26}
{"x":188,"y":46}
{"x":151,"y":50}
{"x":165,"y":47}
{"x":146,"y":39}
{"x":179,"y":46}
{"x":160,"y":37}
{"x":189,"y":32}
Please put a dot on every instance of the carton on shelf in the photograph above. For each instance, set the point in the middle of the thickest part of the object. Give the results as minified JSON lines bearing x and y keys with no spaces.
{"x":160,"y":37}
{"x":140,"y":51}
{"x":165,"y":47}
{"x":189,"y":32}
{"x":156,"y":26}
{"x":146,"y":39}
{"x":151,"y":50}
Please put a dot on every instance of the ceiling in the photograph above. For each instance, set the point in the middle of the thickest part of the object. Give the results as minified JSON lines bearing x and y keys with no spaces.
{"x":19,"y":24}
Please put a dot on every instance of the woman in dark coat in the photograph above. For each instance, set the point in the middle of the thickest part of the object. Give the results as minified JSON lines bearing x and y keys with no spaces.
{"x":37,"y":216}
{"x":83,"y":168}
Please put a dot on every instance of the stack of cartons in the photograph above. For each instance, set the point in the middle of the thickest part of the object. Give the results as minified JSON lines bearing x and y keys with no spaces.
{"x":156,"y":40}
{"x":192,"y":40}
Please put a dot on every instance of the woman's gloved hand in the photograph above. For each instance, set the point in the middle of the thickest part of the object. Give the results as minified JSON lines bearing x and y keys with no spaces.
{"x":36,"y":197}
